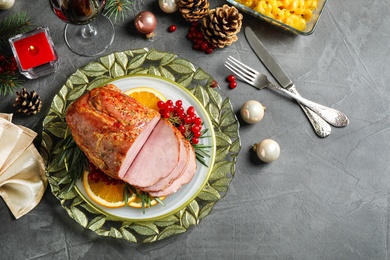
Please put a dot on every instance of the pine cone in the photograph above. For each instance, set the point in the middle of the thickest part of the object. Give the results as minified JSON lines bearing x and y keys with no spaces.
{"x":29,"y":104}
{"x":221,"y":25}
{"x":193,"y":10}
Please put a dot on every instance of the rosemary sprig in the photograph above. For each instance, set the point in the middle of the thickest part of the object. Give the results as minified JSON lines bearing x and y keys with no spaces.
{"x":201,"y":150}
{"x":146,"y":199}
{"x":74,"y":161}
{"x":200,"y":153}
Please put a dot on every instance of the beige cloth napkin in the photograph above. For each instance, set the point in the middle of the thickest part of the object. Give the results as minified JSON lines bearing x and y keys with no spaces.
{"x":22,"y":170}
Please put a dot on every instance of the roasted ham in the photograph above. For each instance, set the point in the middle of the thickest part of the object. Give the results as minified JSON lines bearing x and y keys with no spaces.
{"x":110,"y":128}
{"x":131,"y":142}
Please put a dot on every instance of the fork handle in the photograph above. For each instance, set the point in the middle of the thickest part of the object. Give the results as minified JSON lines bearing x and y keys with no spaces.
{"x":330,"y":115}
{"x":321,"y":127}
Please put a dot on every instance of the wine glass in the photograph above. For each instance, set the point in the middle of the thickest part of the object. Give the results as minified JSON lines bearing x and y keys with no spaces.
{"x":87,"y":33}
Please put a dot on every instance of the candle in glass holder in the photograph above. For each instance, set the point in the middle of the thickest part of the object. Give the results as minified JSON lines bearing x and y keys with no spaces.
{"x":35,"y":53}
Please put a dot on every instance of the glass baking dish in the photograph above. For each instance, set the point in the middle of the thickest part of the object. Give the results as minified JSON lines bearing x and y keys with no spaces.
{"x":310,"y":25}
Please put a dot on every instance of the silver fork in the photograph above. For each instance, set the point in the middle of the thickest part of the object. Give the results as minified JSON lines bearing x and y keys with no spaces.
{"x":260,"y":81}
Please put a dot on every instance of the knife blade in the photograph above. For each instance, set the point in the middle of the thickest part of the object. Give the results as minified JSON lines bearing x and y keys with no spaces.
{"x":321,"y":127}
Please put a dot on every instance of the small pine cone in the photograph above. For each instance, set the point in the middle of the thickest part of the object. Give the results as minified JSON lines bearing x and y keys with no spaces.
{"x":221,"y":26}
{"x":193,"y":10}
{"x":29,"y":104}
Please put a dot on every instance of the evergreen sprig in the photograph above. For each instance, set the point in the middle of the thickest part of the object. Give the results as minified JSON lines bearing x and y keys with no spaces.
{"x":9,"y":81}
{"x":12,"y":25}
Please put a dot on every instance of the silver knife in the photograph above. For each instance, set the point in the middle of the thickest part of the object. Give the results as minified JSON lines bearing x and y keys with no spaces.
{"x":321,"y":127}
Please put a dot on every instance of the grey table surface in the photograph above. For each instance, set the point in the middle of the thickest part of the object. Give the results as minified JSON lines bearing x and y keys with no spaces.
{"x":322,"y":199}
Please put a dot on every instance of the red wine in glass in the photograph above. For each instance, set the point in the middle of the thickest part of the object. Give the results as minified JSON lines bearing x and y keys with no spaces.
{"x":87,"y":32}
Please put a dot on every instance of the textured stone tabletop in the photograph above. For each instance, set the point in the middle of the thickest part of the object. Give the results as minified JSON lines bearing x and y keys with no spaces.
{"x":322,"y":199}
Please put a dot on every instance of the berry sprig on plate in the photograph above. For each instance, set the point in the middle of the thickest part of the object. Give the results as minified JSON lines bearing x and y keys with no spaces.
{"x":188,"y":123}
{"x":186,"y":120}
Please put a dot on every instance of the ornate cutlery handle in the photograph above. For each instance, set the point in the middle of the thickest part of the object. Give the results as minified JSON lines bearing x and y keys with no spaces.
{"x":321,"y":127}
{"x":330,"y":115}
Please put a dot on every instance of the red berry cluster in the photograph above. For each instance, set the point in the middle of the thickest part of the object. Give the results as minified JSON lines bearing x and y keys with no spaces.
{"x":198,"y":40}
{"x":186,"y":121}
{"x":8,"y":64}
{"x":96,"y":175}
{"x":232,"y":81}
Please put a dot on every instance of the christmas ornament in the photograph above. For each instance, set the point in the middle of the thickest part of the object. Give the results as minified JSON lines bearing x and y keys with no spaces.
{"x":252,"y":111}
{"x":221,"y":25}
{"x":168,"y":6}
{"x":6,"y":4}
{"x":146,"y":22}
{"x":28,"y":103}
{"x":267,"y":150}
{"x":193,"y":10}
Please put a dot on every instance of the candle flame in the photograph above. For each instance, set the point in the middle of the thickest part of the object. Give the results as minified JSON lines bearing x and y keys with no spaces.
{"x":33,"y":50}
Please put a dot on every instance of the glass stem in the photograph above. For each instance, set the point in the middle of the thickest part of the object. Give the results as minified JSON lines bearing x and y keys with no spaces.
{"x":88,"y":31}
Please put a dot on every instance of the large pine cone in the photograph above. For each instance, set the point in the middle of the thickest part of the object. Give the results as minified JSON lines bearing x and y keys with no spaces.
{"x":221,"y":25}
{"x":28,"y":103}
{"x":193,"y":10}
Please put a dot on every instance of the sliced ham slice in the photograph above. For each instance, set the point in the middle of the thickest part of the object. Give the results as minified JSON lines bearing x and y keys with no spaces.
{"x":182,"y":180}
{"x":110,"y":128}
{"x":177,"y":171}
{"x":157,"y":158}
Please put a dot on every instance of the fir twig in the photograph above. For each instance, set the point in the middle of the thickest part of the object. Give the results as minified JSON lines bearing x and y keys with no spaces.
{"x":9,"y":81}
{"x":118,"y":8}
{"x":12,"y":25}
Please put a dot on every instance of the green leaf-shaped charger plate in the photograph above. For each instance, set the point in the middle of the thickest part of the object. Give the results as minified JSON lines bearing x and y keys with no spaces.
{"x":151,"y":63}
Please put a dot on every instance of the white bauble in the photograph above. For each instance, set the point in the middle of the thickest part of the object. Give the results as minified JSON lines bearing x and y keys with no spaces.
{"x":267,"y":150}
{"x":252,"y":111}
{"x":168,"y":6}
{"x":6,"y":4}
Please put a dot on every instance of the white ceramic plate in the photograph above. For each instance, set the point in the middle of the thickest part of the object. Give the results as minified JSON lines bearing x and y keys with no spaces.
{"x":187,"y":193}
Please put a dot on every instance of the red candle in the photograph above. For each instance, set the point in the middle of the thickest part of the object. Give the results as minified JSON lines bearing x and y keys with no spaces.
{"x":34,"y":51}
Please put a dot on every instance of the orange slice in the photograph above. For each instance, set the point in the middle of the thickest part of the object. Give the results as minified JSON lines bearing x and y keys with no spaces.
{"x":108,"y":195}
{"x":112,"y":195}
{"x":146,"y":96}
